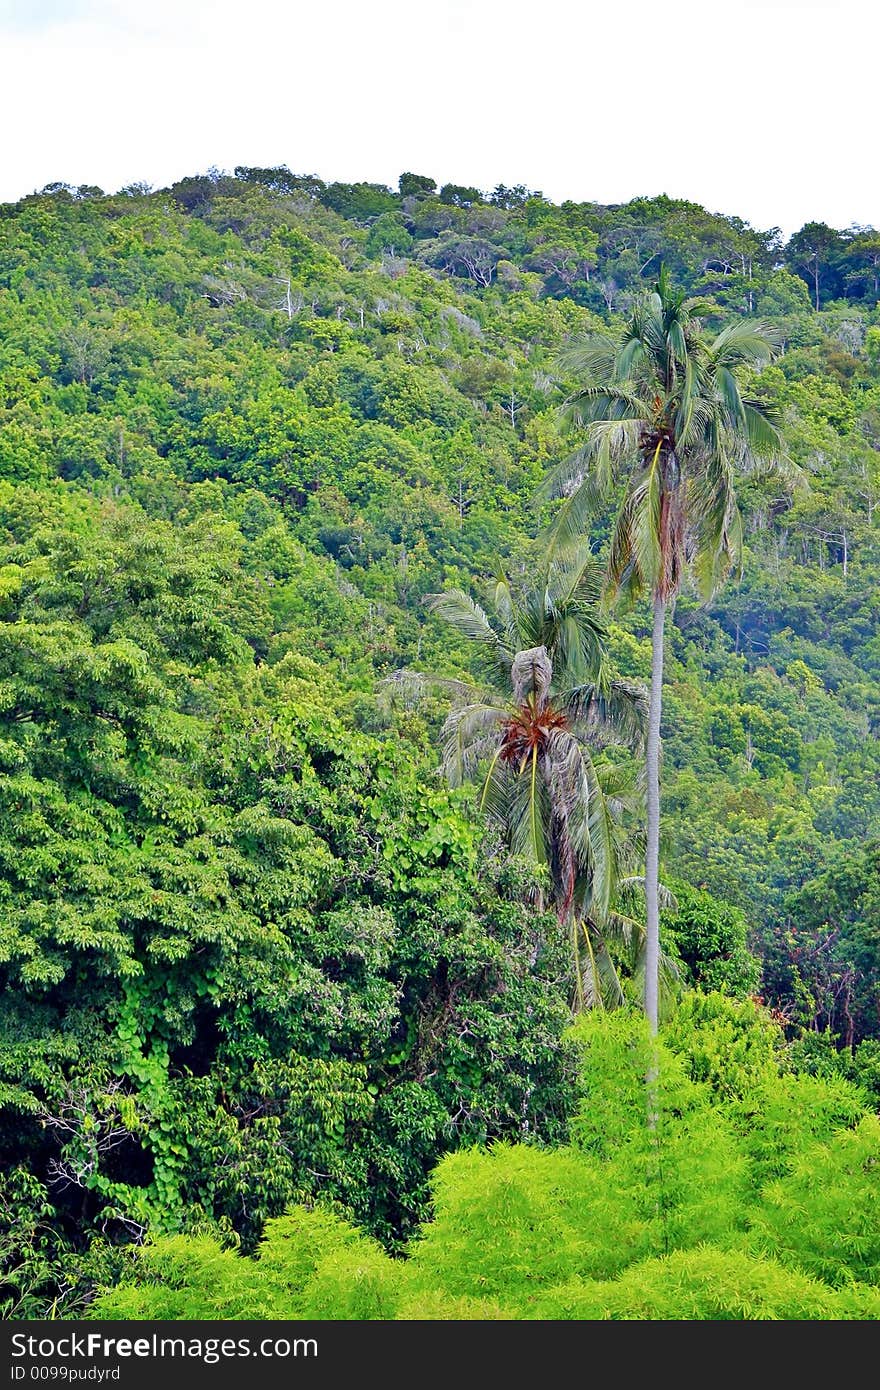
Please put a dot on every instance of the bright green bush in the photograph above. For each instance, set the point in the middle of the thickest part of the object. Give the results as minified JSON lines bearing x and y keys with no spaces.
{"x":824,"y":1216}
{"x":615,"y":1055}
{"x":358,"y":1283}
{"x":514,"y":1219}
{"x":733,"y":1048}
{"x":309,"y":1264}
{"x":732,"y":1045}
{"x":431,"y":1306}
{"x":707,"y":1283}
{"x":186,"y":1278}
{"x":684,"y":1177}
{"x":786,"y":1115}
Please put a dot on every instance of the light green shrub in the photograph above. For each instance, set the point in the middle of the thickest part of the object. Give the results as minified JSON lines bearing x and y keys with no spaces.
{"x":184,"y":1278}
{"x":513,"y":1219}
{"x":787,"y":1114}
{"x":433,"y":1306}
{"x":295,"y":1245}
{"x":615,"y":1055}
{"x":731,"y":1045}
{"x":308,"y":1264}
{"x":824,"y":1216}
{"x":706,"y":1283}
{"x":735,"y":1050}
{"x":354,"y":1284}
{"x":684,"y":1177}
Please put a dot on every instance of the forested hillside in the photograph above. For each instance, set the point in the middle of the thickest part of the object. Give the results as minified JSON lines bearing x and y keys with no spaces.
{"x":255,"y":950}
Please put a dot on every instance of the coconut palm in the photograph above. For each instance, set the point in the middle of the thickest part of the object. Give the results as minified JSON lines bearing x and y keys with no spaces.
{"x":533,"y":735}
{"x":661,"y":403}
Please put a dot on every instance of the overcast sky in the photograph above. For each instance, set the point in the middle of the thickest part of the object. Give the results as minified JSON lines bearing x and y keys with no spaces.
{"x":766,"y":111}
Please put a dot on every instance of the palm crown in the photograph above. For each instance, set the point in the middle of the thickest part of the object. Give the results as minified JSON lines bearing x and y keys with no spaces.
{"x":664,"y":400}
{"x":534,"y":733}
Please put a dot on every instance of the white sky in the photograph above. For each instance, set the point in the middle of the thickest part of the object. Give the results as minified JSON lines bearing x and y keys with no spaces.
{"x":767,"y":111}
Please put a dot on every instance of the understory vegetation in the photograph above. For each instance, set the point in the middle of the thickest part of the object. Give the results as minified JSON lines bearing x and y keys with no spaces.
{"x":751,"y":1196}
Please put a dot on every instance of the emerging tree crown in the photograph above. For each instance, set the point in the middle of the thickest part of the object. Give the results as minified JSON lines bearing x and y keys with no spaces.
{"x":664,"y":402}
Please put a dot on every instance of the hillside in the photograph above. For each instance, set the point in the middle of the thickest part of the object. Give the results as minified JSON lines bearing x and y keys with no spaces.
{"x":254,"y":950}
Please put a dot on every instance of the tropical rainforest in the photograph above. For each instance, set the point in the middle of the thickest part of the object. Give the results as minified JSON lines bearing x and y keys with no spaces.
{"x":373,"y":942}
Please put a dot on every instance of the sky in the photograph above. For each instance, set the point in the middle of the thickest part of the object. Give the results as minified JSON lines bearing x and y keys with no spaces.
{"x":767,"y":111}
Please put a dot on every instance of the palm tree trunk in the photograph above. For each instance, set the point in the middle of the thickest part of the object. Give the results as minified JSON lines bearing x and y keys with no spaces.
{"x":652,"y":859}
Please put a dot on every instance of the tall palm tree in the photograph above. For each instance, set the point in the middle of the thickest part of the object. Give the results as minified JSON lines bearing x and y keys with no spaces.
{"x":662,"y":403}
{"x":533,"y":732}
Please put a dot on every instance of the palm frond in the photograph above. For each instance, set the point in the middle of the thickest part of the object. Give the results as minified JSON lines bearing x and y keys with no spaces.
{"x":716,"y":528}
{"x":677,"y":343}
{"x":630,"y":356}
{"x":587,"y":593}
{"x":669,"y":977}
{"x":461,"y":612}
{"x":590,"y":358}
{"x":764,"y":437}
{"x":589,"y":817}
{"x":622,"y":572}
{"x":413,"y":686}
{"x":684,"y":419}
{"x":717,"y":553}
{"x":577,"y":573}
{"x":570,"y":626}
{"x":624,"y":934}
{"x":468,"y":736}
{"x":600,"y":984}
{"x":574,"y":516}
{"x":644,"y":522}
{"x":701,"y":422}
{"x":695,"y":309}
{"x":506,"y":611}
{"x":614,"y":709}
{"x":622,"y":788}
{"x":745,"y":342}
{"x":562,"y":479}
{"x":665,"y":896}
{"x":593,"y":404}
{"x":527,"y":812}
{"x":571,"y":647}
{"x":466,"y":616}
{"x":728,"y":391}
{"x":495,"y":790}
{"x":593,"y":465}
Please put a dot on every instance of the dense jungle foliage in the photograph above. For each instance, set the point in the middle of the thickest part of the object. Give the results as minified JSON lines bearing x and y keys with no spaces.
{"x":254,"y":950}
{"x":748,"y":1199}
